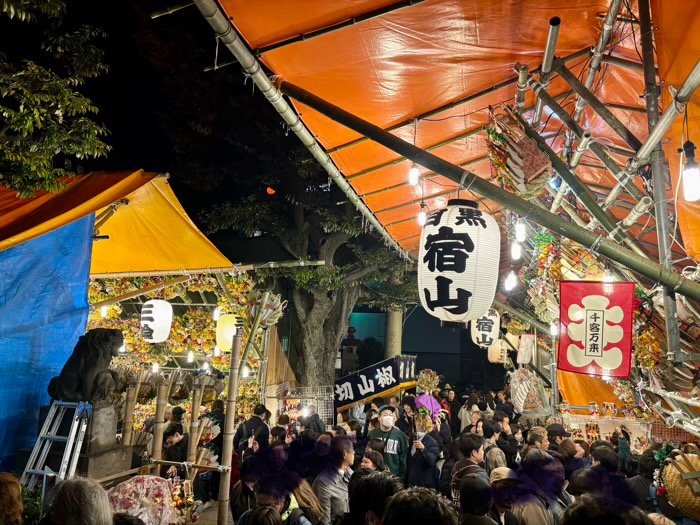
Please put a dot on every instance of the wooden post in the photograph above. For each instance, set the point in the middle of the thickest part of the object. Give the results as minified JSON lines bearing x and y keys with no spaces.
{"x":127,"y":429}
{"x":229,"y":429}
{"x":197,"y":393}
{"x":161,"y":403}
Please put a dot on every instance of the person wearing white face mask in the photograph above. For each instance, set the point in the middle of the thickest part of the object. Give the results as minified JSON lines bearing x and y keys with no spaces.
{"x":395,"y":442}
{"x":423,"y":455}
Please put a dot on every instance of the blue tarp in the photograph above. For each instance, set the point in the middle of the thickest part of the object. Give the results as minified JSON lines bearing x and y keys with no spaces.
{"x":43,"y":311}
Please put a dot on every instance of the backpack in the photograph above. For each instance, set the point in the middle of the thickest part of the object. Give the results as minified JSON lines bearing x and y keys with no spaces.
{"x":469,"y":470}
{"x":295,"y":518}
{"x":487,"y":467}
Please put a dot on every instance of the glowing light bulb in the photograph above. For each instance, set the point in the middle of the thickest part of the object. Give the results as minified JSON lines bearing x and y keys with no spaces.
{"x":520,"y":230}
{"x":510,"y":282}
{"x":155,"y":368}
{"x":422,"y":217}
{"x":190,"y":356}
{"x":691,"y":183}
{"x":205,"y":366}
{"x":122,"y":349}
{"x":217,"y":351}
{"x":216,"y":314}
{"x":554,"y":329}
{"x":516,"y":251}
{"x":245,"y":372}
{"x":103,"y":312}
{"x":413,"y":175}
{"x":608,"y":276}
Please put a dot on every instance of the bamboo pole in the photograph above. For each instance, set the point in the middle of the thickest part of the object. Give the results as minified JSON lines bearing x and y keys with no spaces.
{"x":229,"y":429}
{"x":127,"y":429}
{"x":197,"y":394}
{"x":141,"y":291}
{"x":161,"y":402}
{"x":253,"y":331}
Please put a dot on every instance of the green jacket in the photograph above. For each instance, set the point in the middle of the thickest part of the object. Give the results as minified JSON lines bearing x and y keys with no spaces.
{"x":395,"y":450}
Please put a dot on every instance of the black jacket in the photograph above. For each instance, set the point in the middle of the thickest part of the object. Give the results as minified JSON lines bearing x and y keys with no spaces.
{"x":571,"y":465}
{"x":509,"y":447}
{"x":639,"y":485}
{"x":253,"y":427}
{"x":421,"y":465}
{"x":508,"y":517}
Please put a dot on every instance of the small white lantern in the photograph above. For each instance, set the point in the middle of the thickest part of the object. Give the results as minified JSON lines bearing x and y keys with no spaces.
{"x":458,"y":262}
{"x":485,"y":330}
{"x":225,"y":330}
{"x":156,"y":320}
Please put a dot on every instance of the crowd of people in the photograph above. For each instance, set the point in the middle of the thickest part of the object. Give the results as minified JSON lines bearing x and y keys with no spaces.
{"x":469,"y":463}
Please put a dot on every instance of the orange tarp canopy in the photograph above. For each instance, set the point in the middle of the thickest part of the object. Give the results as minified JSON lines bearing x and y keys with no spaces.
{"x":24,"y":219}
{"x":393,"y":69}
{"x":581,"y":389}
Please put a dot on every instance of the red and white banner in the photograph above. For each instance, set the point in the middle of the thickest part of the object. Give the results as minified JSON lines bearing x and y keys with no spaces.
{"x":596,"y":328}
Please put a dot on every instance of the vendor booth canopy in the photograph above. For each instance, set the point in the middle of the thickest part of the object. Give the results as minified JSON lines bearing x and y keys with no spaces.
{"x":141,"y":228}
{"x":428,"y":70}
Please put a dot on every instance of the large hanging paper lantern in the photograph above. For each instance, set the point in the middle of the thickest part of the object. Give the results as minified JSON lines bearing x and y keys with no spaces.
{"x":485,"y":329}
{"x":156,"y":320}
{"x":458,"y":262}
{"x":225,"y":330}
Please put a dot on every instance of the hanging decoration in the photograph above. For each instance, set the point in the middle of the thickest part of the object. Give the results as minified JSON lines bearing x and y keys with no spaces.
{"x":485,"y":329}
{"x":515,"y":158}
{"x":458,"y":262}
{"x":528,"y":344}
{"x":516,"y":327}
{"x":156,"y":320}
{"x":528,"y":394}
{"x":542,"y":277}
{"x":497,"y":353}
{"x":272,"y":310}
{"x":596,"y":321}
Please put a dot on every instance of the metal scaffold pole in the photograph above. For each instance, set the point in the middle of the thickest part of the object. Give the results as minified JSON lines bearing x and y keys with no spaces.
{"x":658,"y":174}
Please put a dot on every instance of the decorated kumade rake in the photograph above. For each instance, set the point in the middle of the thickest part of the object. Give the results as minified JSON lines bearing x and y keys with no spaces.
{"x":516,"y":160}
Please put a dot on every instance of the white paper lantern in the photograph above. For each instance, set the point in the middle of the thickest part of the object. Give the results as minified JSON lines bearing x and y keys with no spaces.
{"x":156,"y":320}
{"x":225,"y":330}
{"x":485,"y":330}
{"x":458,"y":262}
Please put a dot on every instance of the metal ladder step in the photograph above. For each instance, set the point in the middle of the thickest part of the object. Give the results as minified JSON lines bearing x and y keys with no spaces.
{"x":57,"y":439}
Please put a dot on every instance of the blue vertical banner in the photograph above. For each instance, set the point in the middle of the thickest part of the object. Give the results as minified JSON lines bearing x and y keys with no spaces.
{"x":43,"y":311}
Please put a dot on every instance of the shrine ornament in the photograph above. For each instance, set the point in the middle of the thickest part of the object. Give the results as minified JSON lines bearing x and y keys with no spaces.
{"x":486,"y":329}
{"x":458,"y":262}
{"x":156,"y":320}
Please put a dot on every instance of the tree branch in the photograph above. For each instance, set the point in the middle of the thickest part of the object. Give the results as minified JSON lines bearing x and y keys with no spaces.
{"x":331,"y":244}
{"x":358,"y":274}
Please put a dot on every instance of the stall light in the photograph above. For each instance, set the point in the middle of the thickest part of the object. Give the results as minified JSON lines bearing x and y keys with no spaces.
{"x":205,"y":366}
{"x":691,"y":174}
{"x":413,"y":175}
{"x":103,"y":312}
{"x":305,"y":412}
{"x":516,"y":251}
{"x":216,"y":314}
{"x":608,"y":276}
{"x":122,"y":348}
{"x":511,"y":281}
{"x":155,"y":368}
{"x":422,"y":215}
{"x":217,"y":351}
{"x":554,"y":329}
{"x":246,"y":372}
{"x":520,"y":230}
{"x":190,"y":356}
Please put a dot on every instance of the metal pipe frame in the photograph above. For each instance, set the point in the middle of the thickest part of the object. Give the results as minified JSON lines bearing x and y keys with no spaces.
{"x":608,"y":26}
{"x":459,"y":102}
{"x":549,"y":50}
{"x":523,"y":316}
{"x":522,"y":71}
{"x":581,"y":148}
{"x":524,"y":208}
{"x":582,"y":192}
{"x":622,"y":107}
{"x":228,"y":36}
{"x":586,"y":97}
{"x":595,"y":147}
{"x":340,"y":25}
{"x":659,"y":129}
{"x":621,"y":62}
{"x":658,"y":173}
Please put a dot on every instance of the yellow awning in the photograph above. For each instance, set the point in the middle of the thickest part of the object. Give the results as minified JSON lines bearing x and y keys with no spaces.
{"x":152,"y":235}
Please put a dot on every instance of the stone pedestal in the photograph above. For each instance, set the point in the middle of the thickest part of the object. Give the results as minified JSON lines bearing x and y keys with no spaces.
{"x":105,"y":462}
{"x":101,"y":433}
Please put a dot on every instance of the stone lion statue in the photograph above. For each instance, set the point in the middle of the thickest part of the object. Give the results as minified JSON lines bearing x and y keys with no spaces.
{"x":86,"y":375}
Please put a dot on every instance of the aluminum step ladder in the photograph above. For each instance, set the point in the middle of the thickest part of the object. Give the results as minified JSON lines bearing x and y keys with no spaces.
{"x":80,"y":414}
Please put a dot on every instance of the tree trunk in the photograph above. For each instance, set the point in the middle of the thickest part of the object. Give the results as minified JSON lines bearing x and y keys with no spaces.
{"x":321,"y":322}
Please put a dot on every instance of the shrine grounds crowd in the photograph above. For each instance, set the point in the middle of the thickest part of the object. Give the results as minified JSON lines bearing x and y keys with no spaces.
{"x":393,"y":463}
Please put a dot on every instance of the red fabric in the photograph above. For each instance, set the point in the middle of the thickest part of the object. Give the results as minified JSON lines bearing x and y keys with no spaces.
{"x":596,"y":328}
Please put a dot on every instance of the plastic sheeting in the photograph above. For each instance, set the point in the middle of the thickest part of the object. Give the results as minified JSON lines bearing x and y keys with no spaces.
{"x":25,"y":219}
{"x":153,"y":234}
{"x":43,"y":312}
{"x":580,"y":390}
